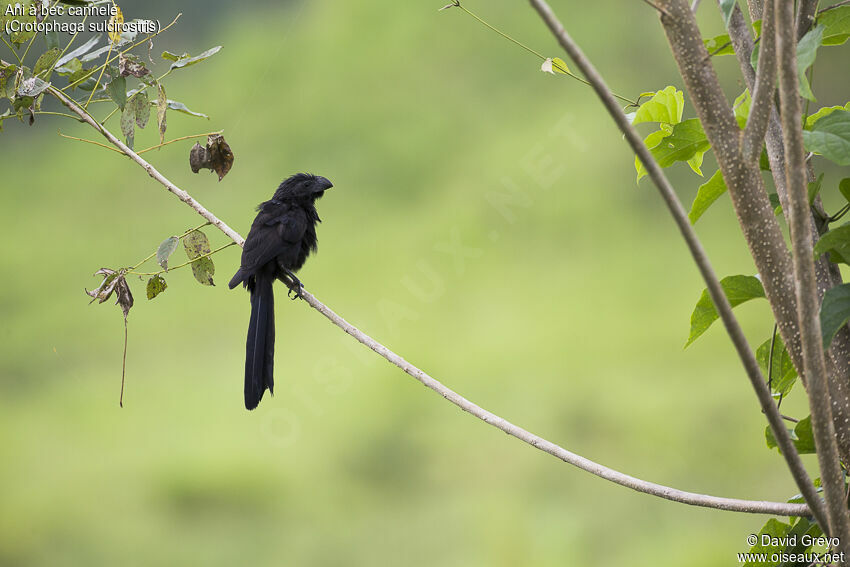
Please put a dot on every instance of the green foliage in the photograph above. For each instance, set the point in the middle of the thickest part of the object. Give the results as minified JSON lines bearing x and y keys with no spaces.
{"x":807,"y":49}
{"x":779,"y":369}
{"x":801,"y":435}
{"x":741,"y":107}
{"x":156,"y":285}
{"x":821,"y":112}
{"x":197,"y":249}
{"x":829,"y":136}
{"x":836,"y":24}
{"x":834,"y":312}
{"x":837,"y":243}
{"x":738,"y":289}
{"x":185,"y":60}
{"x":665,"y":106}
{"x":707,"y":194}
{"x":165,"y":250}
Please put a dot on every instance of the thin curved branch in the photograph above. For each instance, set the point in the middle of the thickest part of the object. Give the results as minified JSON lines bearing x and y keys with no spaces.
{"x":814,"y":361}
{"x":651,"y":488}
{"x":721,"y":303}
{"x":762,"y":99}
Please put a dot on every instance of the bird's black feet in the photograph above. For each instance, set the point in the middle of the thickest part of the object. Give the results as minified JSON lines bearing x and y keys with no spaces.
{"x":295,"y":286}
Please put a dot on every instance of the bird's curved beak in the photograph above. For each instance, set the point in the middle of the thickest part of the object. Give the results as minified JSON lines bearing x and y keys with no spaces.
{"x":323,"y":183}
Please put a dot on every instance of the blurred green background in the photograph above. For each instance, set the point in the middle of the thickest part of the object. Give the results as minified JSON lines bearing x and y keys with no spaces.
{"x":566,"y":314}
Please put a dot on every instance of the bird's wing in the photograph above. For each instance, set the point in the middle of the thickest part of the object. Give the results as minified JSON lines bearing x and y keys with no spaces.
{"x":276,"y":230}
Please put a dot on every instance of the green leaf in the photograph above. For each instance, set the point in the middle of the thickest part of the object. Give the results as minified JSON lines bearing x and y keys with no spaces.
{"x":128,"y":122}
{"x":814,"y":188}
{"x":830,"y":137}
{"x":665,"y":106}
{"x":45,"y":61}
{"x":774,"y":202}
{"x":844,"y":188}
{"x":77,"y":53}
{"x":707,"y":194}
{"x":32,"y":87}
{"x":203,"y":269}
{"x":51,"y":39}
{"x":836,"y":25}
{"x":556,"y":65}
{"x":801,"y":436}
{"x":719,"y":45}
{"x":187,"y":61}
{"x":143,"y":108}
{"x":687,"y":141}
{"x":837,"y":243}
{"x":782,"y":373}
{"x":156,"y":285}
{"x":167,"y":55}
{"x":165,"y":250}
{"x":807,"y":49}
{"x":651,"y":141}
{"x":180,"y":107}
{"x":197,"y":244}
{"x":726,"y":8}
{"x":742,"y":108}
{"x":774,"y":530}
{"x":161,"y":108}
{"x":737,"y":289}
{"x":117,"y":91}
{"x":834,"y":312}
{"x":812,"y":118}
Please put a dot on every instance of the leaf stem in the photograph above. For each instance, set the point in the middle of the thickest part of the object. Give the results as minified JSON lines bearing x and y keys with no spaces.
{"x":110,"y":148}
{"x":532,"y":51}
{"x":200,"y":226}
{"x":140,"y":152}
{"x":207,"y":255}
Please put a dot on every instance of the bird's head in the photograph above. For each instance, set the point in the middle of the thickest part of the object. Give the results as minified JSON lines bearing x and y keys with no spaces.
{"x":302,"y":186}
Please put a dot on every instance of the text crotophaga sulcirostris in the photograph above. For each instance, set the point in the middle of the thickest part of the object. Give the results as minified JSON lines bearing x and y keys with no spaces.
{"x":281,"y":238}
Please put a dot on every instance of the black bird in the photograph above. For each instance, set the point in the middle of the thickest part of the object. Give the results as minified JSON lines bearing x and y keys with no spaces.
{"x":281,"y":238}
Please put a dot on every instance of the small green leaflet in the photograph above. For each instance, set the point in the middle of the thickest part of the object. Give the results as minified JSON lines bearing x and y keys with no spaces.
{"x":707,"y":194}
{"x":46,"y":60}
{"x":197,"y":244}
{"x":830,"y":137}
{"x":836,"y":25}
{"x":117,"y":91}
{"x":556,"y":65}
{"x":165,"y":250}
{"x":726,"y":8}
{"x":844,"y":188}
{"x":180,"y":107}
{"x":156,"y":285}
{"x":742,"y":108}
{"x":686,"y":143}
{"x":738,"y":289}
{"x":834,"y":312}
{"x":187,"y":61}
{"x":837,"y":243}
{"x":783,"y":375}
{"x":665,"y":106}
{"x":801,"y":436}
{"x":826,"y":110}
{"x":807,"y":50}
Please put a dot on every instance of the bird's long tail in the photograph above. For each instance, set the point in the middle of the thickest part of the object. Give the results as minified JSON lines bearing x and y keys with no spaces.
{"x":259,"y":348}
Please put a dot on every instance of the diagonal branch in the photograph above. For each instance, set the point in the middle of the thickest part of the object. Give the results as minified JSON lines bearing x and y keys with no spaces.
{"x":751,"y":367}
{"x":814,"y":361}
{"x":762,"y":99}
{"x":651,"y":488}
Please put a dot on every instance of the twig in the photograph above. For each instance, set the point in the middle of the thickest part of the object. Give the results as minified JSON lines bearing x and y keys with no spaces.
{"x":110,"y":148}
{"x":715,"y":290}
{"x":695,"y":499}
{"x":140,"y":152}
{"x":658,"y":8}
{"x":192,"y":261}
{"x":182,"y":195}
{"x":836,"y":5}
{"x":814,"y":361}
{"x":762,"y":99}
{"x":456,"y":3}
{"x":806,"y":11}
